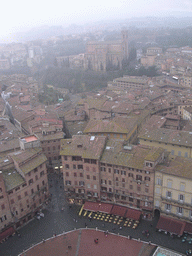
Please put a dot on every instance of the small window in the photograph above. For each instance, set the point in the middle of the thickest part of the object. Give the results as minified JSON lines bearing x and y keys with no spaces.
{"x":157,"y":190}
{"x":169,"y":184}
{"x":181,"y":197}
{"x":139,"y":177}
{"x":81,"y":183}
{"x":159,"y":181}
{"x":103,"y":169}
{"x":169,"y":195}
{"x":180,"y":210}
{"x":168,"y":207}
{"x":41,"y":173}
{"x":182,"y":186}
{"x":30,"y":181}
{"x":116,"y":171}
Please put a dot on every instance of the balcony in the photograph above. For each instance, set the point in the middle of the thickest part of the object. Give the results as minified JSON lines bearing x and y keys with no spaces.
{"x":103,"y":189}
{"x":139,"y":181}
{"x":177,"y":215}
{"x":178,"y":202}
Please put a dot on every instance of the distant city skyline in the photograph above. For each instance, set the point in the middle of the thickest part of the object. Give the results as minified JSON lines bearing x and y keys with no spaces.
{"x":21,"y":15}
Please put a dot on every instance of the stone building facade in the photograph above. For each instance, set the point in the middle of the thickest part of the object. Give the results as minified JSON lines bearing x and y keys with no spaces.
{"x":81,"y":167}
{"x":23,"y":184}
{"x":173,"y":188}
{"x":98,"y":169}
{"x":103,"y":55}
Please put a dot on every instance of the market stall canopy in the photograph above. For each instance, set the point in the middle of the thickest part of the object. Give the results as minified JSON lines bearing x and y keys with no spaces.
{"x":8,"y":232}
{"x":98,"y":207}
{"x":171,"y":225}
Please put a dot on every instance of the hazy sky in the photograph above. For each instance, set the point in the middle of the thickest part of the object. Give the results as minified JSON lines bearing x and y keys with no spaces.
{"x":18,"y":14}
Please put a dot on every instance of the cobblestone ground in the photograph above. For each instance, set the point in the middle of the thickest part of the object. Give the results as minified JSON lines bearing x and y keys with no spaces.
{"x":59,"y":218}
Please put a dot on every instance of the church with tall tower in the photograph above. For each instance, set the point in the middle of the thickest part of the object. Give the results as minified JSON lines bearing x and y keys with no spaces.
{"x":106,"y":55}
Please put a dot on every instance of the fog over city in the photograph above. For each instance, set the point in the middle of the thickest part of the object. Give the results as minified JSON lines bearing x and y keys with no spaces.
{"x":96,"y":128}
{"x":21,"y":15}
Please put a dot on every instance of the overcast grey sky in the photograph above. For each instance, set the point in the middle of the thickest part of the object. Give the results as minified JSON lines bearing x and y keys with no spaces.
{"x":18,"y":14}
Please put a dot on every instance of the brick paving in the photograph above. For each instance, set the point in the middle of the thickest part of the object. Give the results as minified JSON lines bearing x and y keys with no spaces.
{"x":59,"y":218}
{"x":81,"y":243}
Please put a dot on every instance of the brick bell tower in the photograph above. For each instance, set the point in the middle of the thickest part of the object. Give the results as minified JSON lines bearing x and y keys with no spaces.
{"x":124,"y":43}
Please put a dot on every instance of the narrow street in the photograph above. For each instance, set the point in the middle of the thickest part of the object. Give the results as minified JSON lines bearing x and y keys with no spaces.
{"x":59,"y":218}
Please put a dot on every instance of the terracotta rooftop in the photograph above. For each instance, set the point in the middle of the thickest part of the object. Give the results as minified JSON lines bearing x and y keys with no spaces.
{"x":83,"y":145}
{"x":28,"y":159}
{"x":117,"y":153}
{"x":170,"y":136}
{"x":115,"y":125}
{"x":7,"y":146}
{"x":177,"y":165}
{"x":30,"y":138}
{"x":53,"y":136}
{"x":12,"y":179}
{"x":81,"y":243}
